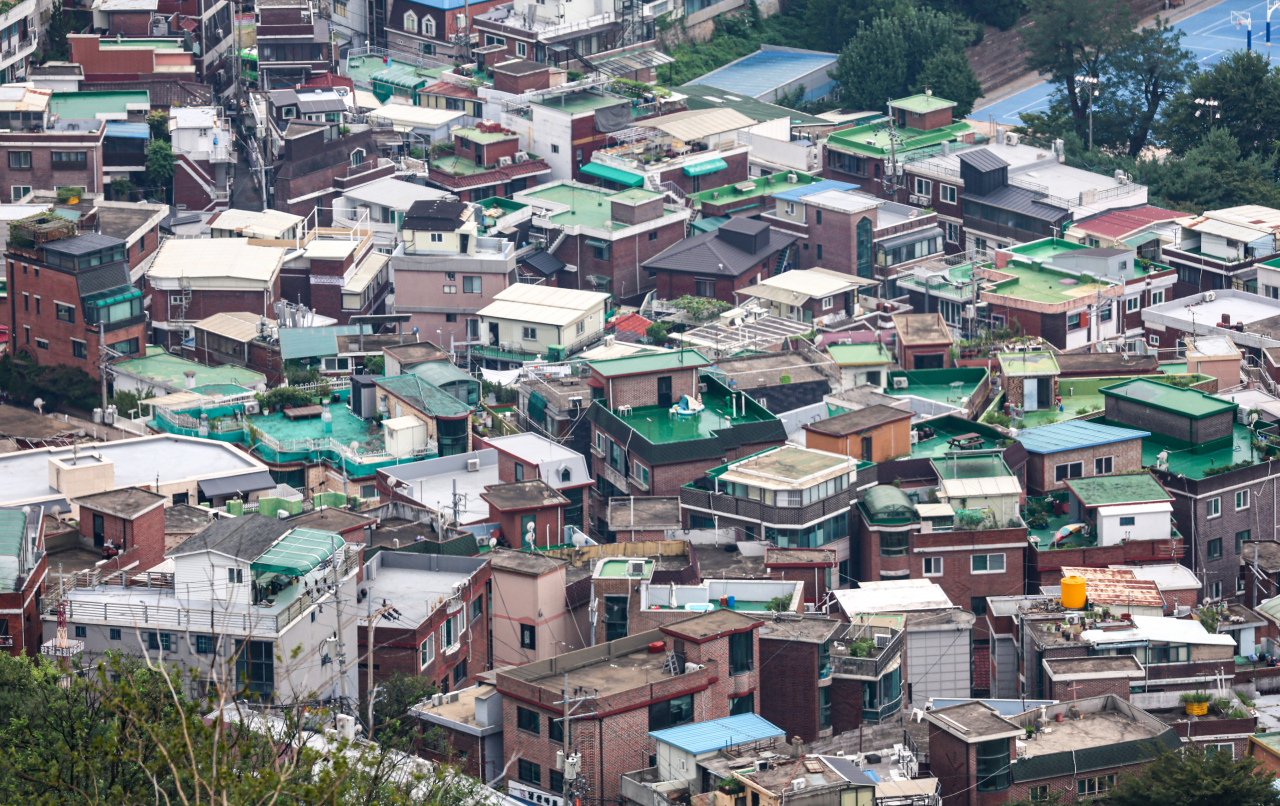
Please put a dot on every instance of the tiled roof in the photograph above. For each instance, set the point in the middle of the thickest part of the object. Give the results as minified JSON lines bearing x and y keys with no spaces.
{"x":1121,"y":222}
{"x":504,"y":173}
{"x":329,"y":80}
{"x":632,"y":322}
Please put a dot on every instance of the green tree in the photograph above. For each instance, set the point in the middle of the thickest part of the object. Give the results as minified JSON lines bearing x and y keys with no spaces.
{"x":830,"y":24}
{"x":60,"y":24}
{"x":1194,"y":777}
{"x":375,"y":365}
{"x":886,"y":57}
{"x":948,"y":75}
{"x":160,"y":165}
{"x":1070,"y":38}
{"x":158,"y":123}
{"x":1002,"y":14}
{"x":1142,"y":75}
{"x":1247,"y":91}
{"x":393,"y":725}
{"x":657,"y":332}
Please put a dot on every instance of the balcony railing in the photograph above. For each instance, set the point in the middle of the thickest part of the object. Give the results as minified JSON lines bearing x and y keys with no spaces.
{"x":749,"y":510}
{"x":884,"y":712}
{"x":6,"y":641}
{"x":868,"y":668}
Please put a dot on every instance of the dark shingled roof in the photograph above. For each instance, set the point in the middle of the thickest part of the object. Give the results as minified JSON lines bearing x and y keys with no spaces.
{"x":854,"y":421}
{"x":1021,"y":200}
{"x":982,"y":159}
{"x":80,"y":244}
{"x":519,"y":67}
{"x":713,"y":253}
{"x":245,"y":538}
{"x":185,"y":519}
{"x":543,"y":262}
{"x":163,"y":93}
{"x":102,"y":278}
{"x":128,"y":502}
{"x":434,"y":215}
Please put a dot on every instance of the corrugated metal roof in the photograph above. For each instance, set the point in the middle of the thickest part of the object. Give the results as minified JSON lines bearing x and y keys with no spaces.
{"x":240,"y":326}
{"x":1074,"y":434}
{"x":797,"y":193}
{"x":717,"y":734}
{"x":759,"y":73}
{"x":1222,"y":229}
{"x":696,"y":124}
{"x":910,"y":236}
{"x":650,"y":362}
{"x":982,"y":159}
{"x":315,"y":342}
{"x":1021,"y":200}
{"x":1117,"y":586}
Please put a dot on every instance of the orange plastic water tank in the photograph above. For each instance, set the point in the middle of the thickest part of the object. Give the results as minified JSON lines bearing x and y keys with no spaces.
{"x":1073,"y":593}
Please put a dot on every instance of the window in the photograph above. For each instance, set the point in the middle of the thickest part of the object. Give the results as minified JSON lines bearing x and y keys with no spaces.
{"x":1132,"y":304}
{"x":451,"y":289}
{"x":18,"y":191}
{"x":640,"y":472}
{"x":82,"y":632}
{"x":69,"y":159}
{"x":528,"y":636}
{"x":1073,"y":470}
{"x":741,"y":652}
{"x":451,"y":318}
{"x":127,"y":347}
{"x":477,"y":608}
{"x":600,"y":251}
{"x":529,"y":333}
{"x":1092,"y":787}
{"x":204,"y":645}
{"x":438,"y":237}
{"x":582,"y":328}
{"x":746,"y":704}
{"x":43,"y":344}
{"x":1215,"y":590}
{"x":819,"y":251}
{"x":947,"y":193}
{"x":1102,"y":466}
{"x":566,"y":475}
{"x":953,"y":232}
{"x":933,"y":566}
{"x":555,"y":149}
{"x":924,"y":187}
{"x":490,"y":39}
{"x":1214,"y":548}
{"x":1226,"y":748}
{"x":987,"y":564}
{"x":653,"y":235}
{"x":522,"y":49}
{"x":26,"y":302}
{"x":557,"y":777}
{"x":471,"y":285}
{"x":528,"y":771}
{"x":993,"y":765}
{"x":411,"y":22}
{"x":19,"y":159}
{"x":37,"y":306}
{"x":671,"y":713}
{"x":1039,"y":794}
{"x":978,"y":606}
{"x":159,"y":641}
{"x":519,"y":471}
{"x":65,"y":313}
{"x":705,"y":288}
{"x":555,"y":730}
{"x":1154,"y":341}
{"x":1241,"y":538}
{"x":427,"y":651}
{"x":1242,"y":499}
{"x":1213,"y":507}
{"x":817,"y":216}
{"x":1073,"y":321}
{"x":115,"y":633}
{"x":289,"y":112}
{"x":893,"y":544}
{"x":1126,"y":520}
{"x":428,"y":26}
{"x":1157,"y":297}
{"x":235,"y":575}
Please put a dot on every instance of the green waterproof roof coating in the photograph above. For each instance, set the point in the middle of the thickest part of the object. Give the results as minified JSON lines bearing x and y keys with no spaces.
{"x":164,"y":368}
{"x":922,"y":104}
{"x":873,"y":140}
{"x":848,"y":355}
{"x":1186,"y":402}
{"x":1016,"y":365}
{"x":13,"y":526}
{"x":1129,"y":488}
{"x":298,"y":552}
{"x":649,"y":362}
{"x":617,"y":569}
{"x":611,"y":174}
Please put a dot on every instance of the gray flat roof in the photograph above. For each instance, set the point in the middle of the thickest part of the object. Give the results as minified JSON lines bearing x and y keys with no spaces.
{"x":431,"y":483}
{"x":24,"y":476}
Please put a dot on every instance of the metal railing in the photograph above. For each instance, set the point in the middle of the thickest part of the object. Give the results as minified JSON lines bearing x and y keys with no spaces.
{"x":868,"y":668}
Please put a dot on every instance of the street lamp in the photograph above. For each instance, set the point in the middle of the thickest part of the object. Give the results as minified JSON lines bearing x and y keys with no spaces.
{"x":1092,"y":82}
{"x":1210,"y":106}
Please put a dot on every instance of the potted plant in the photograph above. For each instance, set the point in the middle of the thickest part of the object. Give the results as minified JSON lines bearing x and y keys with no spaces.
{"x":1196,"y":703}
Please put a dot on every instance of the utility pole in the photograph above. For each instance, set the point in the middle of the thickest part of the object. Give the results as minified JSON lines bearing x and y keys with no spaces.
{"x":571,"y":763}
{"x":1091,"y":83}
{"x":390,"y":613}
{"x":105,"y":356}
{"x":342,"y":645}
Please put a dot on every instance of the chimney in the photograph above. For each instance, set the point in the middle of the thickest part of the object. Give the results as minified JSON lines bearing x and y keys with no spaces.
{"x":190,"y":378}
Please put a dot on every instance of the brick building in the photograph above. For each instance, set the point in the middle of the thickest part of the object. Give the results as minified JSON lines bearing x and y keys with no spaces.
{"x":203,"y":158}
{"x":239,"y":338}
{"x":872,"y":434}
{"x":69,"y":294}
{"x":293,"y":43}
{"x":130,"y":60}
{"x":316,"y":164}
{"x":522,"y":457}
{"x":531,"y":619}
{"x":485,"y":162}
{"x":45,"y":152}
{"x":818,"y":569}
{"x":25,"y":565}
{"x":924,"y":341}
{"x":721,"y":263}
{"x":1073,"y":678}
{"x":530,"y":514}
{"x":630,"y":690}
{"x":439,"y":627}
{"x":639,"y":520}
{"x":1078,"y":449}
{"x":128,"y":520}
{"x":972,"y":752}
{"x":642,"y":443}
{"x":796,"y":683}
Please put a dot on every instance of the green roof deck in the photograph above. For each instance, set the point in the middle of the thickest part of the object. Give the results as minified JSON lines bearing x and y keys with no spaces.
{"x":650,"y":362}
{"x":1195,"y":461}
{"x":1044,"y":537}
{"x":1127,"y":488}
{"x":430,"y":400}
{"x":1043,"y":285}
{"x":347,"y":428}
{"x":361,"y":69}
{"x":855,"y":355}
{"x":1018,"y":365}
{"x":1081,"y":396}
{"x":164,"y":368}
{"x":483,"y":138}
{"x":617,"y":569}
{"x":940,"y":385}
{"x":1186,"y":402}
{"x":761,"y":186}
{"x":922,"y":104}
{"x":873,"y":140}
{"x":88,"y":105}
{"x":298,"y":552}
{"x":589,"y":207}
{"x":580,"y":101}
{"x":981,"y":466}
{"x":455,"y":165}
{"x":106,"y":43}
{"x":945,"y":428}
{"x":1045,"y":248}
{"x":658,"y":425}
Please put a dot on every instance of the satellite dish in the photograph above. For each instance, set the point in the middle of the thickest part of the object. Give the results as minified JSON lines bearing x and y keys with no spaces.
{"x":493,"y":542}
{"x":39,"y":404}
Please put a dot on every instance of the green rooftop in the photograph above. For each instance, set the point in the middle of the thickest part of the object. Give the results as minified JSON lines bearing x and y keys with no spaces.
{"x":666,"y":361}
{"x":88,"y":105}
{"x":1186,"y":402}
{"x":106,"y":43}
{"x":1035,"y":284}
{"x":873,"y":140}
{"x":298,"y":552}
{"x":1197,"y":461}
{"x":761,"y":186}
{"x":922,"y":104}
{"x":617,"y":569}
{"x":1128,"y":488}
{"x":659,"y":426}
{"x":169,"y":370}
{"x":953,"y":386}
{"x":1045,"y":248}
{"x":1016,"y":365}
{"x":455,"y":165}
{"x":972,"y":466}
{"x":361,"y":69}
{"x":483,"y":138}
{"x":850,"y":355}
{"x":705,"y":96}
{"x":579,"y":101}
{"x":945,"y":428}
{"x":588,"y":207}
{"x":426,"y":398}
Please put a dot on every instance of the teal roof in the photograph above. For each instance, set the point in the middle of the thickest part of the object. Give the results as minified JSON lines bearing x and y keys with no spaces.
{"x":430,"y":400}
{"x":611,"y":174}
{"x":1075,"y":434}
{"x":847,"y":355}
{"x":438,"y":373}
{"x":717,"y":734}
{"x":1185,"y":402}
{"x":315,"y":342}
{"x":649,"y":362}
{"x":169,"y":370}
{"x":298,"y":552}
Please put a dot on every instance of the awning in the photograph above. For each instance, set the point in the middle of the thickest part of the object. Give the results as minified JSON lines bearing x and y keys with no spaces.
{"x":298,"y":552}
{"x":704,"y":168}
{"x":133,"y":131}
{"x":1138,"y":240}
{"x":910,"y":236}
{"x":537,"y":408}
{"x":611,"y":174}
{"x":237,"y":485}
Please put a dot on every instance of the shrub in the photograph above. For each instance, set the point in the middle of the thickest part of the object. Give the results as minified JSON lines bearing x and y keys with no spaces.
{"x":1194,"y":697}
{"x":287,"y":396}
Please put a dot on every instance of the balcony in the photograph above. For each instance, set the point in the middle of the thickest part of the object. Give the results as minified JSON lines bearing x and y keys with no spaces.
{"x":756,"y":511}
{"x":6,"y":641}
{"x":507,"y":354}
{"x":872,"y":666}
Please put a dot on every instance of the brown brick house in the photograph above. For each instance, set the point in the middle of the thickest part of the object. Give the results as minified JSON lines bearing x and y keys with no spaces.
{"x":924,"y":341}
{"x":522,"y":504}
{"x":1076,"y":449}
{"x":719,"y":264}
{"x":130,"y":520}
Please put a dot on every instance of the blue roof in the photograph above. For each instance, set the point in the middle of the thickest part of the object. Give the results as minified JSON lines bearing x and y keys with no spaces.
{"x":315,"y":342}
{"x":1075,"y":434}
{"x":717,"y":734}
{"x":134,"y":131}
{"x":797,"y":193}
{"x":763,"y":71}
{"x":1004,"y":707}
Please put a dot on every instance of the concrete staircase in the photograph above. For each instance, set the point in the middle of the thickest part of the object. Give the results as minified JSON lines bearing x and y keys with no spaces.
{"x":1000,"y":59}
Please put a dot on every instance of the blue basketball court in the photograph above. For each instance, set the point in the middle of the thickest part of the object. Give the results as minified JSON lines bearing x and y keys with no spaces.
{"x":1209,"y":34}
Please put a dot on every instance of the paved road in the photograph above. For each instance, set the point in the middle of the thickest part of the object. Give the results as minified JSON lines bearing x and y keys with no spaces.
{"x":1209,"y":34}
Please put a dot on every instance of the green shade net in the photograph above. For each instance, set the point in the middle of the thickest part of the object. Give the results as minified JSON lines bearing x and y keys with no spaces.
{"x":298,"y":552}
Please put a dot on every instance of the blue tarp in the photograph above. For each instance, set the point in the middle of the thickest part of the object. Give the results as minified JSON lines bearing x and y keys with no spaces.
{"x":133,"y":131}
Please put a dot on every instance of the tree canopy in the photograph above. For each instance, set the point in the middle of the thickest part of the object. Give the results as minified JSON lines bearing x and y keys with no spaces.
{"x":1197,"y":778}
{"x":1247,"y":92}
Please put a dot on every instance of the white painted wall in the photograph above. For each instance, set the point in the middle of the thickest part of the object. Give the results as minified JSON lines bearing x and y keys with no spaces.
{"x":1146,"y":526}
{"x":550,"y":127}
{"x":939,"y":662}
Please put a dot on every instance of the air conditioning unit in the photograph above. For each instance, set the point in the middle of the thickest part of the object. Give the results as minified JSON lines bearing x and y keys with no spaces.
{"x":458,"y":588}
{"x":899,"y":383}
{"x":798,"y":783}
{"x":1209,"y":296}
{"x":437,"y":700}
{"x":702,"y":387}
{"x":521,"y":156}
{"x":915,"y":437}
{"x":791,"y":179}
{"x":575,"y":402}
{"x":506,"y":345}
{"x":251,"y":407}
{"x":883,"y":641}
{"x":451,"y":697}
{"x":635,"y":568}
{"x":1011,"y":138}
{"x":914,"y":199}
{"x":473,"y":465}
{"x":504,"y":162}
{"x":693,"y":667}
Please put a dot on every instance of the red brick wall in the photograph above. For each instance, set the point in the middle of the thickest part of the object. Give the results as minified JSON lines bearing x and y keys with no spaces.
{"x":142,"y":538}
{"x":907,"y":355}
{"x":134,"y":24}
{"x":642,"y":390}
{"x":463,"y":750}
{"x":735,"y":171}
{"x":1040,"y":467}
{"x":548,"y":520}
{"x":22,"y":612}
{"x":677,"y":284}
{"x":625,"y":258}
{"x":41,"y":175}
{"x":1061,"y":690}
